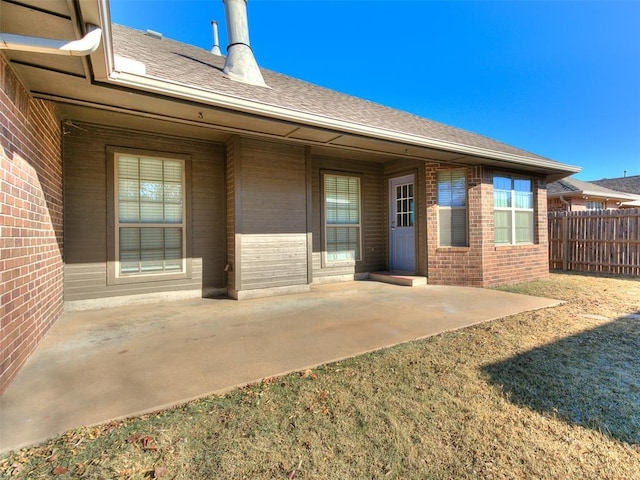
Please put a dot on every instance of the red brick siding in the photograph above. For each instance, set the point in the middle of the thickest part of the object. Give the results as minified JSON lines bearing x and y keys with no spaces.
{"x":30,"y":222}
{"x":483,"y":264}
{"x":517,"y":263}
{"x":556,"y":205}
{"x":454,"y":265}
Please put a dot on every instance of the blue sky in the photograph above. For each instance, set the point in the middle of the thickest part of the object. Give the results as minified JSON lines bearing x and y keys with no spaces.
{"x":557,"y":78}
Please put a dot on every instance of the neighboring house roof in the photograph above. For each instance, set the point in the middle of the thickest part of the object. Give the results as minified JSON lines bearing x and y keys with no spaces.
{"x":622,"y":184}
{"x":569,"y":187}
{"x":630,"y":185}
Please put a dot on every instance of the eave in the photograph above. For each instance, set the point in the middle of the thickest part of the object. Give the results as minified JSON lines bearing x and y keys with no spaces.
{"x":129,"y":99}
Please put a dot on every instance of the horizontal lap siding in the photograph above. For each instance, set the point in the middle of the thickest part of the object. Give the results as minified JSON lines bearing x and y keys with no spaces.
{"x":208,"y":204}
{"x":231,"y":211}
{"x":272,"y":220}
{"x":372,"y":210}
{"x":86,"y":197}
{"x":274,"y":260}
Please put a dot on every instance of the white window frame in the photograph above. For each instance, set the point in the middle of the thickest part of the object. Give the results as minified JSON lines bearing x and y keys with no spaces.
{"x":115,"y":275}
{"x":595,"y":205}
{"x":513,"y":209}
{"x":442,"y":209}
{"x":328,"y":226}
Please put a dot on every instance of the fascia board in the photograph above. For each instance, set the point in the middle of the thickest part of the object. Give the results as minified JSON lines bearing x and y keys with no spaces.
{"x":183,"y":91}
{"x":611,"y":196}
{"x":589,"y":193}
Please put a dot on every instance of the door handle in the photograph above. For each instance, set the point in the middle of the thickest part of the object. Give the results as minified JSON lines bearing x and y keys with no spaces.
{"x":393,"y":225}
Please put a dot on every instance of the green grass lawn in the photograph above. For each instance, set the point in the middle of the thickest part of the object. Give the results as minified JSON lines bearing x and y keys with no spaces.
{"x":548,"y":394}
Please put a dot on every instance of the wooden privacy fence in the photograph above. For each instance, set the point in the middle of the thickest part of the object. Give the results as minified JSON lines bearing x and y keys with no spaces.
{"x":605,"y":241}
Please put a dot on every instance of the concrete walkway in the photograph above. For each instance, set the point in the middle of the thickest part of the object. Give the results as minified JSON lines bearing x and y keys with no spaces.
{"x":95,"y":366}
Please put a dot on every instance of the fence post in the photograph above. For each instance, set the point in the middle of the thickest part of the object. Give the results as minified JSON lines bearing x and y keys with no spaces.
{"x":565,"y":243}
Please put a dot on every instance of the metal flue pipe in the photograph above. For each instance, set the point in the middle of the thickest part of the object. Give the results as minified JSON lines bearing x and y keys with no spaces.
{"x":215,"y":49}
{"x":240,"y":65}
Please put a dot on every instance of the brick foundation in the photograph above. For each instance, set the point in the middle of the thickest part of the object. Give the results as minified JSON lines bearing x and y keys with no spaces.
{"x":30,"y":222}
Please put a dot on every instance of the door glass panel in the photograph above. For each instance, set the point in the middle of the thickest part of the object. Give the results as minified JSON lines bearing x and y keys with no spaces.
{"x":404,"y":205}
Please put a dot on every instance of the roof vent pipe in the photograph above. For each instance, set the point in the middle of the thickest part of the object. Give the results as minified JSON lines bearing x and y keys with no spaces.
{"x":240,"y":65}
{"x":216,"y":45}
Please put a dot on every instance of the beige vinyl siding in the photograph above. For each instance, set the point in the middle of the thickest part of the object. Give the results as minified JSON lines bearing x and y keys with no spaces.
{"x":87,"y":203}
{"x":274,"y":260}
{"x":372,"y":213}
{"x":271,"y":221}
{"x":231,"y":212}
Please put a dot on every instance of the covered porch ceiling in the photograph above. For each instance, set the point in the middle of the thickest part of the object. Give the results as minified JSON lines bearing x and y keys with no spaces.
{"x":81,"y":89}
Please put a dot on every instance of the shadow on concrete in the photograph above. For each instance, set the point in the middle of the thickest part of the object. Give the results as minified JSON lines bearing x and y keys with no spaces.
{"x":591,"y":379}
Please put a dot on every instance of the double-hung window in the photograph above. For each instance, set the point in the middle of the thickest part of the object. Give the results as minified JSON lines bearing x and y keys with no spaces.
{"x":513,"y":210}
{"x":342,"y":218}
{"x":149,"y":215}
{"x":452,"y":208}
{"x":594,"y":205}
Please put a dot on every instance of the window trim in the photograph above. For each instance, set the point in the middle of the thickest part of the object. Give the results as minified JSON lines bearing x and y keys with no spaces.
{"x":513,"y":209}
{"x":114,"y":277}
{"x":339,"y":263}
{"x":589,"y":205}
{"x":449,"y":208}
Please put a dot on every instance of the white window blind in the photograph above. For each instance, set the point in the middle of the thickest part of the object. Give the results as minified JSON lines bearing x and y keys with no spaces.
{"x":452,"y":208}
{"x":342,"y":218}
{"x":150,"y":215}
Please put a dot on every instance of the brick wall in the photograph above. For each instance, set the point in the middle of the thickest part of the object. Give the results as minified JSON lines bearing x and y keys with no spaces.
{"x":455,"y":265}
{"x":556,"y":205}
{"x":482,"y":263}
{"x":517,"y":263}
{"x":30,"y":222}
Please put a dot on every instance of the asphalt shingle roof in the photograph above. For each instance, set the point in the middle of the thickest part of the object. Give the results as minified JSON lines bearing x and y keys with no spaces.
{"x":172,"y":61}
{"x":621,"y":184}
{"x":571,"y":185}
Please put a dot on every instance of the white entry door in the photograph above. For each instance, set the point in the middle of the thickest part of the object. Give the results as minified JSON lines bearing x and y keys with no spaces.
{"x":402,"y":247}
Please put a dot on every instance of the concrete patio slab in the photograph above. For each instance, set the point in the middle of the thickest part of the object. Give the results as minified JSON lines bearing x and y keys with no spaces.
{"x":96,"y":366}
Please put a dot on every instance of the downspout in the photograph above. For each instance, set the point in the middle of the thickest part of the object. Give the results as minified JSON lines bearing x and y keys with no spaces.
{"x":76,"y":48}
{"x":562,"y":199}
